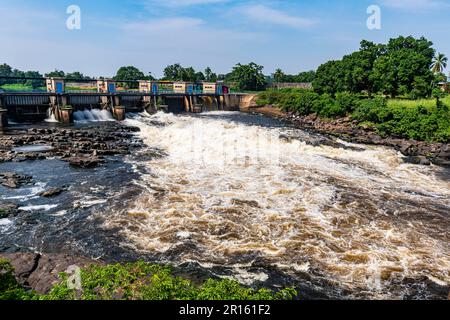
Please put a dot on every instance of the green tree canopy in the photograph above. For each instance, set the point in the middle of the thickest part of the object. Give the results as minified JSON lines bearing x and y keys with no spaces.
{"x":76,"y":76}
{"x":209,"y":75}
{"x":401,"y":67}
{"x":404,"y":68}
{"x":279,"y":75}
{"x":129,"y":73}
{"x":56,"y":74}
{"x":248,"y":77}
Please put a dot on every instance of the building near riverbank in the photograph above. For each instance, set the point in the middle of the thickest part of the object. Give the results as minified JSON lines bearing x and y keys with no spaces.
{"x":297,"y":85}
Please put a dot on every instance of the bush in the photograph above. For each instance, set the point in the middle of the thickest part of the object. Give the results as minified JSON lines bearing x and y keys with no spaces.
{"x":368,"y":109}
{"x":9,"y":288}
{"x":305,"y":102}
{"x":142,"y":281}
{"x":415,"y":122}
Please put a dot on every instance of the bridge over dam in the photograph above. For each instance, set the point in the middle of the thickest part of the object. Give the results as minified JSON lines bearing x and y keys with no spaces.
{"x":62,"y":102}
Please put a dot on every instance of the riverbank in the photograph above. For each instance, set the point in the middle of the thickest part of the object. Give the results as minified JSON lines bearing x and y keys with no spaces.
{"x":62,"y":277}
{"x":347,"y":129}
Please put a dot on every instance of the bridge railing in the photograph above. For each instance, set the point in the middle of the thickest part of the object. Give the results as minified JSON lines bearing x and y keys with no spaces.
{"x":61,"y":85}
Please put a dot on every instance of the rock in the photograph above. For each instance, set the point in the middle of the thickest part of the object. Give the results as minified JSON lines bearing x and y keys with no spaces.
{"x":84,"y":162}
{"x":8,"y":209}
{"x":52,"y":192}
{"x":250,"y":203}
{"x":13,"y":180}
{"x":111,"y":139}
{"x":41,"y":272}
{"x":421,"y":160}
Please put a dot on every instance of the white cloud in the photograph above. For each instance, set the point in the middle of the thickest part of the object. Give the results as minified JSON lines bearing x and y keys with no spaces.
{"x":180,"y":3}
{"x":414,"y":4}
{"x":264,"y":14}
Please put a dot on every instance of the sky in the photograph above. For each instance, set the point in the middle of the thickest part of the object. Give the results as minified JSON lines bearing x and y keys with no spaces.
{"x":150,"y":34}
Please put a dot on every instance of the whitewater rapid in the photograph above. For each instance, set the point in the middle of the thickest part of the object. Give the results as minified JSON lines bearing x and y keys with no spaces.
{"x":229,"y":191}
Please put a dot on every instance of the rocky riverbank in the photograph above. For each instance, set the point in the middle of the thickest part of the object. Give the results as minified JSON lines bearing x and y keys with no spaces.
{"x":40,"y":272}
{"x":84,"y":147}
{"x":347,"y":129}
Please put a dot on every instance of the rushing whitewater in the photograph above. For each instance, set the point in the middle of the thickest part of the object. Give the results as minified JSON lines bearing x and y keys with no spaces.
{"x":93,"y":115}
{"x":230,"y":191}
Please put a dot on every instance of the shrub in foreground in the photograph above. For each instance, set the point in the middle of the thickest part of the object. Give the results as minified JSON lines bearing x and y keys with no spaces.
{"x":137,"y":281}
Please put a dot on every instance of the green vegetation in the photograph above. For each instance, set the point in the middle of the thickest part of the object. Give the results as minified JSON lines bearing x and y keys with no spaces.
{"x":439,"y":63}
{"x":303,"y":77}
{"x":21,"y":87}
{"x":84,"y":89}
{"x":9,"y":288}
{"x":400,"y":67}
{"x":137,"y":281}
{"x":247,"y":77}
{"x":306,"y":102}
{"x":403,"y":119}
{"x":421,"y":119}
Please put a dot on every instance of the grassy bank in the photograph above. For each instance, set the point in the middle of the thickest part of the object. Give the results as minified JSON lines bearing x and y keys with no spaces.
{"x":411,"y":119}
{"x":21,"y":88}
{"x":136,"y":281}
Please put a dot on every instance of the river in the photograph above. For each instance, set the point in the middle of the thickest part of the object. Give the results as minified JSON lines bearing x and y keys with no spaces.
{"x":246,"y":197}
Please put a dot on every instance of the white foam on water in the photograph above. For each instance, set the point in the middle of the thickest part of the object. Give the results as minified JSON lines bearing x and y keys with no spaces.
{"x":59,"y":213}
{"x":89,"y":203}
{"x":239,"y":190}
{"x":44,"y":207}
{"x":51,"y":116}
{"x":94,"y":115}
{"x":5,"y":222}
{"x":29,"y":193}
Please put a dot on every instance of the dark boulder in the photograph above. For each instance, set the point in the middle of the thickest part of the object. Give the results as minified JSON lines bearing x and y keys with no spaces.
{"x":8,"y":209}
{"x":14,"y":180}
{"x":84,"y":162}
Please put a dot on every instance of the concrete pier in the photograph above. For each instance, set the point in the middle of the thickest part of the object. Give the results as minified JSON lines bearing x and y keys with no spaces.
{"x":3,"y":118}
{"x":119,"y":113}
{"x":65,"y":114}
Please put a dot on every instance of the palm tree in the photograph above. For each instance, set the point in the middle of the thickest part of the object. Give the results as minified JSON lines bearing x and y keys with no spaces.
{"x":439,"y":63}
{"x":278,"y":75}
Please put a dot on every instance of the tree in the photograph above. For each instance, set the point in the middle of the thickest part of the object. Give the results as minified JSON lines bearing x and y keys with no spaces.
{"x":209,"y":75}
{"x":404,"y":66}
{"x":329,"y":78}
{"x":279,"y":75}
{"x":401,"y":67}
{"x":35,"y":83}
{"x":439,"y":63}
{"x":248,"y":77}
{"x":55,"y":74}
{"x":305,"y":77}
{"x":188,"y":74}
{"x":130,"y":73}
{"x":174,"y":72}
{"x":77,"y":76}
{"x":199,"y":76}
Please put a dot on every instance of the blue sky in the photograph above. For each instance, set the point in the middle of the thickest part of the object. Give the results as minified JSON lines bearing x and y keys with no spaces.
{"x":292,"y":35}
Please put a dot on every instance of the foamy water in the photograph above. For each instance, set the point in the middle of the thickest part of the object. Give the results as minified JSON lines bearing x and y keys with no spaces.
{"x":229,"y":193}
{"x":93,"y":115}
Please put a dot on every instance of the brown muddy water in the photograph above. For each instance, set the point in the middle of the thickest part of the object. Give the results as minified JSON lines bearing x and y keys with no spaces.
{"x":271,"y":204}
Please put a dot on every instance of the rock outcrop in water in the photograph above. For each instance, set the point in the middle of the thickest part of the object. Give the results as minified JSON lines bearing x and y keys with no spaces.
{"x":8,"y":209}
{"x":81,"y":147}
{"x":13,"y":180}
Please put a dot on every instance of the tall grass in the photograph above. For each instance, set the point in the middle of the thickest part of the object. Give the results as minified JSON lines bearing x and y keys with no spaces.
{"x":427,"y":103}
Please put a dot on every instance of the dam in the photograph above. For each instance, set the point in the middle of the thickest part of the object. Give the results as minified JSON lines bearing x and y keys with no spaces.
{"x":62,"y":103}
